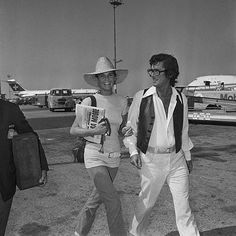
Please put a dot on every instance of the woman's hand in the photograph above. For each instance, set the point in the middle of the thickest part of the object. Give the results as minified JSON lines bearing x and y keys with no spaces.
{"x":127,"y":131}
{"x":100,"y":129}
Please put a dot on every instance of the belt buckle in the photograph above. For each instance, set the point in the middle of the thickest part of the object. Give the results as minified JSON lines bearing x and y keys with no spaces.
{"x":111,"y":154}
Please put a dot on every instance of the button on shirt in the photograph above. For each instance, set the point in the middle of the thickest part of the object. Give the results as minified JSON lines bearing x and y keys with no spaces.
{"x":162,"y":135}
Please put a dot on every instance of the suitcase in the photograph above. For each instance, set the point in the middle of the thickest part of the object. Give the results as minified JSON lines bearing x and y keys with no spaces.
{"x":27,"y":160}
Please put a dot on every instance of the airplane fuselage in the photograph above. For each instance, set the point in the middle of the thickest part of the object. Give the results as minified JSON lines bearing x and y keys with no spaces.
{"x":223,"y":94}
{"x":213,"y":82}
{"x":19,"y":91}
{"x":213,"y":86}
{"x":31,"y":93}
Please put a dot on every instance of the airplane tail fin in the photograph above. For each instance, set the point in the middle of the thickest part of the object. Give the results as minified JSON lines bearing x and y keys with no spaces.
{"x":16,"y":87}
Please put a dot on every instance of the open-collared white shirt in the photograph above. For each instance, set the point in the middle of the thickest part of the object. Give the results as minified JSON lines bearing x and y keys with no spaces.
{"x":162,"y":135}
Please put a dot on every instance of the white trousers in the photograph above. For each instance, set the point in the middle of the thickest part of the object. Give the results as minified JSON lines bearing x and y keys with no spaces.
{"x":156,"y":169}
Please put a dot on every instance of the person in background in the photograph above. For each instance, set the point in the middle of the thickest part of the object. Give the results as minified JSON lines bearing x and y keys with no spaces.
{"x":12,"y":119}
{"x":160,"y":145}
{"x":102,"y":167}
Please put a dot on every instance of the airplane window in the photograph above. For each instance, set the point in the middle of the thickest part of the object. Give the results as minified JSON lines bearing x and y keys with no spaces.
{"x":61,"y":92}
{"x":55,"y":92}
{"x":66,"y":92}
{"x":207,"y":82}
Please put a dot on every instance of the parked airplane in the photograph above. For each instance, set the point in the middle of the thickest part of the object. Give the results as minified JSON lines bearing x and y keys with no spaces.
{"x":23,"y":93}
{"x":213,"y":82}
{"x":213,"y":86}
{"x":212,"y":100}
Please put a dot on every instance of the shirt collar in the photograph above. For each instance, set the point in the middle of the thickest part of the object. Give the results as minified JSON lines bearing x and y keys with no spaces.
{"x":152,"y":90}
{"x":175,"y":94}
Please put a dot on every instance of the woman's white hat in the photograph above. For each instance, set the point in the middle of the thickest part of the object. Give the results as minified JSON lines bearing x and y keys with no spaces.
{"x":104,"y":65}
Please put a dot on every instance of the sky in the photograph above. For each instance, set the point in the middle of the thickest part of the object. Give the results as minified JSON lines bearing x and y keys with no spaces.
{"x":52,"y":43}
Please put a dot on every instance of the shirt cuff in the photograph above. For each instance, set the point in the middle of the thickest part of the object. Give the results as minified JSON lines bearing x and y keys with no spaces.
{"x":187,"y":155}
{"x":134,"y":152}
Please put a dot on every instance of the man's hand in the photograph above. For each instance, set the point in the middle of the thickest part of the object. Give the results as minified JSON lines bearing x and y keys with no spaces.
{"x":190,"y":166}
{"x":43,"y":180}
{"x":136,"y":161}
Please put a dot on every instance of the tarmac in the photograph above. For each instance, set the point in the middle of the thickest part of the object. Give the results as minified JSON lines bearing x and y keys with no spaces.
{"x":52,"y":210}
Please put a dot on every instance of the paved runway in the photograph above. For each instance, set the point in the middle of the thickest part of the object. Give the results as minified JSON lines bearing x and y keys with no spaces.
{"x":32,"y":112}
{"x":53,"y":209}
{"x":42,"y":118}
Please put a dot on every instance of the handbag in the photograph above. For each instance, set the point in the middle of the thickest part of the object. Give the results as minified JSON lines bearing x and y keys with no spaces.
{"x":78,"y":150}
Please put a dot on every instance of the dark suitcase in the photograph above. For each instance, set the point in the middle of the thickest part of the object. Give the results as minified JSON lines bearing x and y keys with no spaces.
{"x":27,"y":160}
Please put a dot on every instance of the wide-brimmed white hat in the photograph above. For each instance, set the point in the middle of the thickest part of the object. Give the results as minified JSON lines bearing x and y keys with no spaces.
{"x":104,"y":65}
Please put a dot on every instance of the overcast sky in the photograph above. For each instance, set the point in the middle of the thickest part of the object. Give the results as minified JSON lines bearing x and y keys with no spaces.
{"x":52,"y":43}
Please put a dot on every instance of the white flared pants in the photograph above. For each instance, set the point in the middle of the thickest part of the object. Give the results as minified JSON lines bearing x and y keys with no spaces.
{"x":156,"y":169}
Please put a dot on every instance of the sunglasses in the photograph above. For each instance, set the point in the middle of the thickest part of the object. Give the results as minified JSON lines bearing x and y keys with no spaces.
{"x":154,"y":72}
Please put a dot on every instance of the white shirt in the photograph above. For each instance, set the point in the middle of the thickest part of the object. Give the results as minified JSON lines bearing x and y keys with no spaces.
{"x":162,"y":135}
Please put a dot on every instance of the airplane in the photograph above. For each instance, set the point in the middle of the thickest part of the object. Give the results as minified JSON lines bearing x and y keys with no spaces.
{"x":213,"y":82}
{"x":23,"y":93}
{"x":213,"y":86}
{"x":212,"y":100}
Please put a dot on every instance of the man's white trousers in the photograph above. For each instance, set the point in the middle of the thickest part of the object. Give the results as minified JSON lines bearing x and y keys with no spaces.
{"x":156,"y":169}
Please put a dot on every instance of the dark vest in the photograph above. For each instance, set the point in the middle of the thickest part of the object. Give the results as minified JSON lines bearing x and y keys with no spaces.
{"x":146,"y":121}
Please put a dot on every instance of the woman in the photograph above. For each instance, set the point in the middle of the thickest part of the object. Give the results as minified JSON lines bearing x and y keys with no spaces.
{"x":102,"y":167}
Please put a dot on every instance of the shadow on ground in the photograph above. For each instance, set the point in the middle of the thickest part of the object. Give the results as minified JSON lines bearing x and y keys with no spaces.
{"x":226,"y":231}
{"x":34,"y":229}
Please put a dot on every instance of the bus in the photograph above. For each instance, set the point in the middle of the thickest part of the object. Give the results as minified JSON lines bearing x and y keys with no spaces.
{"x":60,"y":98}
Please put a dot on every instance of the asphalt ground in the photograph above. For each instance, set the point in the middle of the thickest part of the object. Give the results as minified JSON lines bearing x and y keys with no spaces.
{"x":52,"y":210}
{"x":42,"y":118}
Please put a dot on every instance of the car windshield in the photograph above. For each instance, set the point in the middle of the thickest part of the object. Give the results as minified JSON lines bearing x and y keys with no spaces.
{"x":61,"y":92}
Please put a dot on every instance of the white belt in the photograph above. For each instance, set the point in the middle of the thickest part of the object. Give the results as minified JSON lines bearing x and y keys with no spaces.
{"x":161,"y":150}
{"x":112,"y":154}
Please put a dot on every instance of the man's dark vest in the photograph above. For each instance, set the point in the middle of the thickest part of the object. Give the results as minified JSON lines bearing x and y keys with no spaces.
{"x":146,"y":121}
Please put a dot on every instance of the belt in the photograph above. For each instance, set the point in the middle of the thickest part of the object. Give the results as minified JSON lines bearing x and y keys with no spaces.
{"x":161,"y":150}
{"x":112,"y":154}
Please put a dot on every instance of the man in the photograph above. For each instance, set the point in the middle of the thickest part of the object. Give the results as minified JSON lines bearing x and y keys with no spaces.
{"x":12,"y":117}
{"x":160,"y":146}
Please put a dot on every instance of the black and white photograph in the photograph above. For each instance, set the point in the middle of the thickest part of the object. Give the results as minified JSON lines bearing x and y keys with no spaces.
{"x":159,"y":80}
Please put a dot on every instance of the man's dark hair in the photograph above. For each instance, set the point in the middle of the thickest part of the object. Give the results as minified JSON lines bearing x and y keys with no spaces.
{"x":170,"y":64}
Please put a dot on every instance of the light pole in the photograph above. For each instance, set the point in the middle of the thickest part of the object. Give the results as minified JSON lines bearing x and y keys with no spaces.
{"x":115,"y":4}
